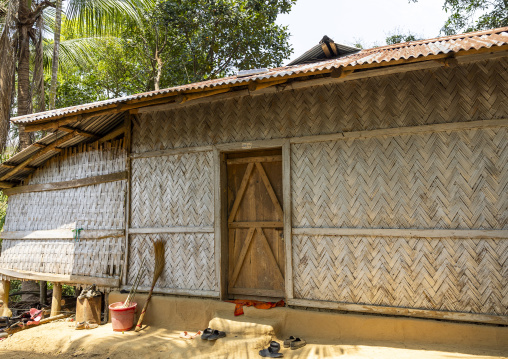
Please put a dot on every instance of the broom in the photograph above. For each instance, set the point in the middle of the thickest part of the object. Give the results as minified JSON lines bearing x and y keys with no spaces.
{"x":158,"y":247}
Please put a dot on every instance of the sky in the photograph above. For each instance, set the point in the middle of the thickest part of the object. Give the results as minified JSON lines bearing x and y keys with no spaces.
{"x":368,"y":22}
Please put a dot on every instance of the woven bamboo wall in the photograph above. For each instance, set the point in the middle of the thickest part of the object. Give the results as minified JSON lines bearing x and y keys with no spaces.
{"x":172,"y":191}
{"x":447,"y":180}
{"x":463,"y":275}
{"x":95,"y":207}
{"x":99,"y":206}
{"x":474,"y":91}
{"x":81,"y":162}
{"x":91,"y":257}
{"x":168,"y":192}
{"x":442,"y":180}
{"x":189,"y":260}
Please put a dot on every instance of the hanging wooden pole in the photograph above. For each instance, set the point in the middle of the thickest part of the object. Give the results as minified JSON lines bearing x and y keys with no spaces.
{"x":56,"y":301}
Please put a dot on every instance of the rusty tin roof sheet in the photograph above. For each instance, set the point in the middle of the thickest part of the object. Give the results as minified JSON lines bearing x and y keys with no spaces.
{"x":403,"y":51}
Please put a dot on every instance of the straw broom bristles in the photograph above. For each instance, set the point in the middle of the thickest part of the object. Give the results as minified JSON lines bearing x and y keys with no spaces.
{"x":160,"y":261}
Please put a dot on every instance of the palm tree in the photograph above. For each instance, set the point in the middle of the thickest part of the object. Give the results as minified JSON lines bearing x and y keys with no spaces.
{"x":56,"y":50}
{"x":94,"y":19}
{"x":22,"y":25}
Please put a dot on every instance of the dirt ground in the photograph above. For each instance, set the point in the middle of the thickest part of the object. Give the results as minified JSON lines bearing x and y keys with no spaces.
{"x":61,"y":340}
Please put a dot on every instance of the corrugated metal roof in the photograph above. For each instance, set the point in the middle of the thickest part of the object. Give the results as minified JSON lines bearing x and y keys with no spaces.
{"x":99,"y":125}
{"x":404,"y":51}
{"x":103,"y":124}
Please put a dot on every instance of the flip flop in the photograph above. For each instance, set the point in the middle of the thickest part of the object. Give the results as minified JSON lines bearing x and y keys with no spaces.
{"x":185,"y":335}
{"x":272,"y":351}
{"x":196,"y":335}
{"x":217,"y":335}
{"x":288,"y":341}
{"x":297,"y":344}
{"x":206,"y":333}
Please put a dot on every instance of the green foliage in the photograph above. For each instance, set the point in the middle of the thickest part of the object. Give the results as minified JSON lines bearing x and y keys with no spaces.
{"x":15,"y":287}
{"x":172,"y":43}
{"x":67,"y":290}
{"x":215,"y":37}
{"x":474,"y":15}
{"x":399,"y":38}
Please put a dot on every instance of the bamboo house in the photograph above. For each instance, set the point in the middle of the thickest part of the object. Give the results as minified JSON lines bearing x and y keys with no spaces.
{"x":368,"y":181}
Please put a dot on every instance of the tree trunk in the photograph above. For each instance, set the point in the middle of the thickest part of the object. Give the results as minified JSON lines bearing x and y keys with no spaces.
{"x":56,"y":49}
{"x":24,"y":98}
{"x":7,"y":70}
{"x":157,"y":78}
{"x":6,"y":88}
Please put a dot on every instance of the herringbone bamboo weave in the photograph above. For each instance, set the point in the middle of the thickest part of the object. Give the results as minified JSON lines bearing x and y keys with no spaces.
{"x":455,"y":180}
{"x":91,"y":257}
{"x":469,"y":92}
{"x":190,"y":260}
{"x":172,"y":191}
{"x":469,"y":275}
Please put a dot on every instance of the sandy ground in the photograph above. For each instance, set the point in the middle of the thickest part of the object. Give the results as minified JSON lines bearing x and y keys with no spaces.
{"x":61,"y":340}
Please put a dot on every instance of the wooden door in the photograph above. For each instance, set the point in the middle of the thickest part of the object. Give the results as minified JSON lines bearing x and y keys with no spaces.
{"x":255,"y":224}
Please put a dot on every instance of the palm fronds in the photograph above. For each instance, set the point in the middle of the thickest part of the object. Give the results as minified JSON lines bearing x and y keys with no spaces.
{"x":77,"y":52}
{"x":106,"y":17}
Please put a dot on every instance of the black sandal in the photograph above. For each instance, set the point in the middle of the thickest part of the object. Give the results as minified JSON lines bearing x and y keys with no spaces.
{"x":206,"y":333}
{"x":216,"y":335}
{"x":288,"y":341}
{"x":272,"y":351}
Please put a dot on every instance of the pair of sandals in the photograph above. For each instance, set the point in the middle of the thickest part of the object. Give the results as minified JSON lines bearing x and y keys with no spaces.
{"x":273,"y":350}
{"x":294,"y":343}
{"x":212,"y":334}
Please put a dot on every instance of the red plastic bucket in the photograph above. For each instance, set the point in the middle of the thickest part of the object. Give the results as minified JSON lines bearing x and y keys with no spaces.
{"x":122,"y":318}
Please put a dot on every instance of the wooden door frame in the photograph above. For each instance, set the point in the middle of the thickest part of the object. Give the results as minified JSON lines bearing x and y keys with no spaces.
{"x":221,"y":215}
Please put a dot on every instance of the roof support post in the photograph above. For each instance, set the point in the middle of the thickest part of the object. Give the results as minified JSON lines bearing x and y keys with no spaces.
{"x":5,"y":286}
{"x":56,"y":300}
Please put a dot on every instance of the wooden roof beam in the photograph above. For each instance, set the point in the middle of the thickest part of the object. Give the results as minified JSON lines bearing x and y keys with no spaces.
{"x":256,"y":86}
{"x":13,"y":166}
{"x":448,"y":61}
{"x":79,"y":132}
{"x":341,"y":72}
{"x":115,"y":133}
{"x":159,"y":101}
{"x":53,"y":125}
{"x":197,"y":95}
{"x":4,"y":184}
{"x":56,"y":124}
{"x":42,"y":152}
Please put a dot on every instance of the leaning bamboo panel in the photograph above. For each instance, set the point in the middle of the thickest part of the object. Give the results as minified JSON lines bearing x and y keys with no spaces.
{"x":466,"y":275}
{"x":190,"y":260}
{"x":90,"y":257}
{"x":81,"y":162}
{"x":445,"y":180}
{"x":172,"y":191}
{"x":99,"y":206}
{"x":469,"y":92}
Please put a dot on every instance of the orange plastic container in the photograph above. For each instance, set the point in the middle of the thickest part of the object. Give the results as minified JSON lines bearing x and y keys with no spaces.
{"x":122,"y":318}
